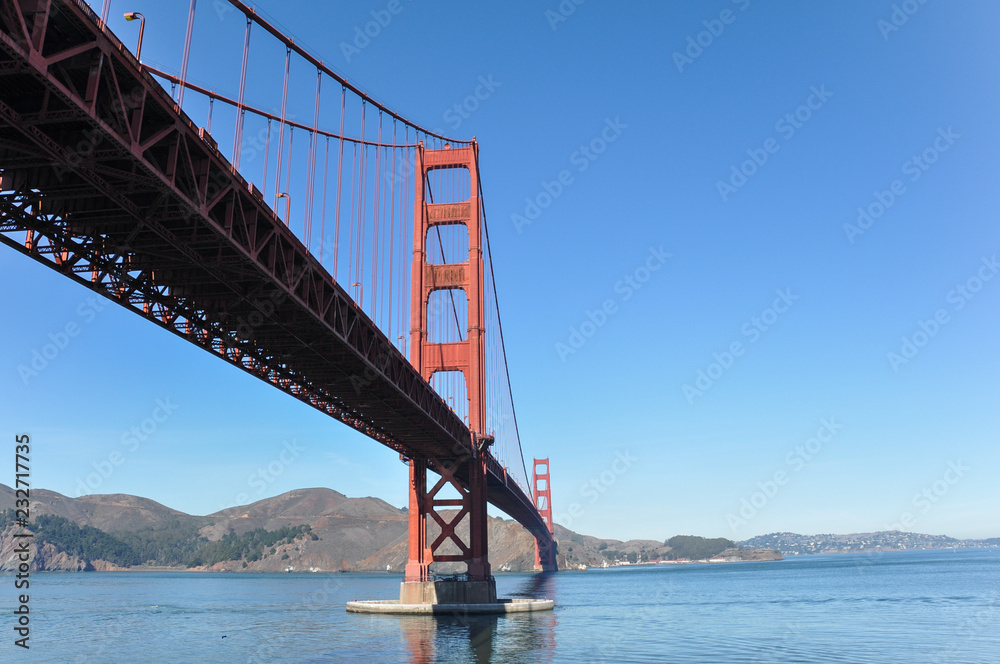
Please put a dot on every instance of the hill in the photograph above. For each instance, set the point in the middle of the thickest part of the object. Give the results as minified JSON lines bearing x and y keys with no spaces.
{"x":109,"y":512}
{"x":892,"y":540}
{"x":343,"y":534}
{"x":303,"y":530}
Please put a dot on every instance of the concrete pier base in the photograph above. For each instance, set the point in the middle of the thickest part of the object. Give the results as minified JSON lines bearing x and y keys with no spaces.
{"x":450,"y":596}
{"x":448,"y":591}
{"x":498,"y":607}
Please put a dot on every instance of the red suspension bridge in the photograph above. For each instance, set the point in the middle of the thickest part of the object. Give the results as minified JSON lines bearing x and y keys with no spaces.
{"x":317,"y":255}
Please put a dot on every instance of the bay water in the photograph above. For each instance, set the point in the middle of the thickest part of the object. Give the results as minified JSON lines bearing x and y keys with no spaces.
{"x":907,"y":607}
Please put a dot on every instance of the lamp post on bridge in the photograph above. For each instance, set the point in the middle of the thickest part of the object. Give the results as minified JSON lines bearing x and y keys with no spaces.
{"x":131,"y":16}
{"x":288,"y":206}
{"x":361,"y":293}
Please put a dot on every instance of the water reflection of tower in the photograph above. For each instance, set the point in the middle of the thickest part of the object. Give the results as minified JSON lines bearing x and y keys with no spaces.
{"x":541,"y":629}
{"x":515,"y":637}
{"x":451,"y":633}
{"x":528,"y":637}
{"x":419,"y":633}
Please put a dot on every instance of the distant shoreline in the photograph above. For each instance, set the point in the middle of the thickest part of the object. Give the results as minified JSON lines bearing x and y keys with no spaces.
{"x":144,"y":569}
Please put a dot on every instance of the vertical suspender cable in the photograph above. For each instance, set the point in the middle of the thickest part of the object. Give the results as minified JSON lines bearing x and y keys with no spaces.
{"x":187,"y":51}
{"x":240,"y":110}
{"x":350,"y":235}
{"x":340,"y":181}
{"x":288,"y":176}
{"x":281,"y":125}
{"x":311,"y":178}
{"x":392,"y":232}
{"x":359,"y":262}
{"x":503,"y":346}
{"x":403,"y":300}
{"x":267,"y":154}
{"x":322,"y":218}
{"x":375,"y":230}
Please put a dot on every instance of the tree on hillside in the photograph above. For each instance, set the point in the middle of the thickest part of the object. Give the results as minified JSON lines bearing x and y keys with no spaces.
{"x":696,"y":548}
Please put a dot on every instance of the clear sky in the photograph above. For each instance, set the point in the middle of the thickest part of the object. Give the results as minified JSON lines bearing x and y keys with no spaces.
{"x":705,"y":333}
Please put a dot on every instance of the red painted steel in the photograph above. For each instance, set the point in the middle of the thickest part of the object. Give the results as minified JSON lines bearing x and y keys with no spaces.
{"x":154,"y":218}
{"x":541,"y":484}
{"x":467,"y":357}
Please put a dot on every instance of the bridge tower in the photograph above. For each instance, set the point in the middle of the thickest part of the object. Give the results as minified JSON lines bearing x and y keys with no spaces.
{"x":541,"y":491}
{"x":466,"y":470}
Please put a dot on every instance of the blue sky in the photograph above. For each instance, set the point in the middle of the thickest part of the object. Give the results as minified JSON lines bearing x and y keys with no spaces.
{"x":811,"y":425}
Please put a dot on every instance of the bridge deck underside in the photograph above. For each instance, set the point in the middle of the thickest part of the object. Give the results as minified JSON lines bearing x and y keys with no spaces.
{"x":105,"y":180}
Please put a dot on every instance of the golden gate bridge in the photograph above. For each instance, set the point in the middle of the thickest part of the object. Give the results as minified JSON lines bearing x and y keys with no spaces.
{"x":344,"y":258}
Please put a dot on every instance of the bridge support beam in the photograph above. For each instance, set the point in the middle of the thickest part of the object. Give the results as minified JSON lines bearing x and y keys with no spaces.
{"x":466,"y":471}
{"x":541,"y":490}
{"x":418,"y":566}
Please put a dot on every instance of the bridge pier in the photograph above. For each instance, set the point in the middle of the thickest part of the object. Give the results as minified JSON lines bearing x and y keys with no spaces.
{"x":478,"y":586}
{"x":541,"y":490}
{"x":160,"y":222}
{"x":466,"y":470}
